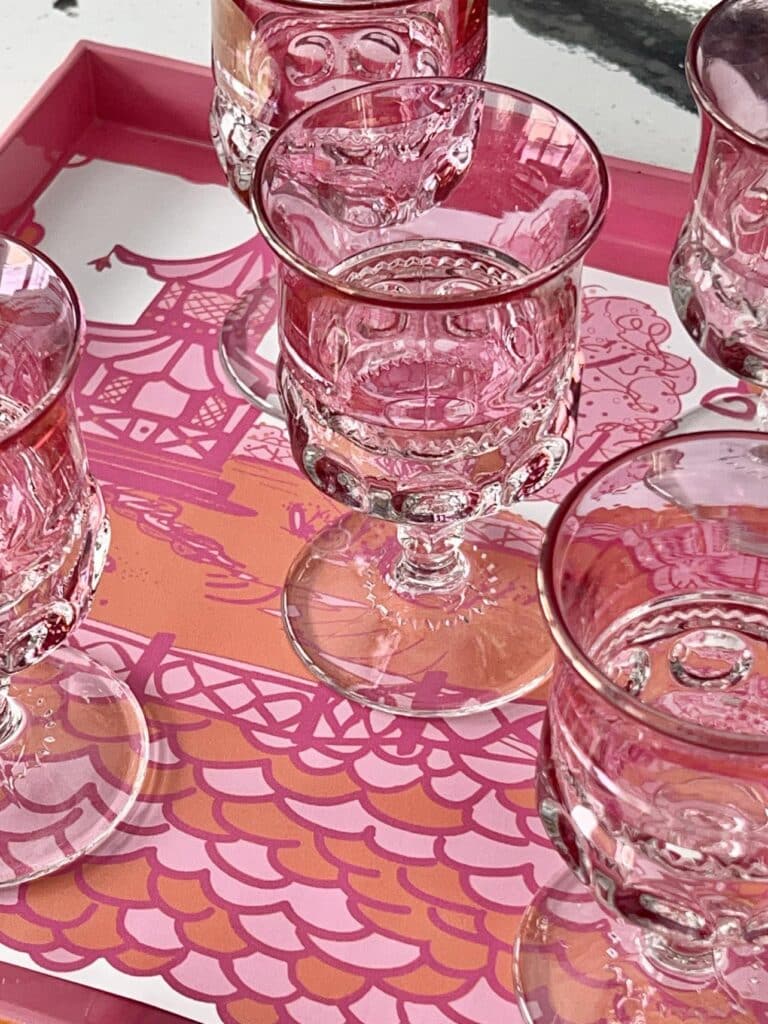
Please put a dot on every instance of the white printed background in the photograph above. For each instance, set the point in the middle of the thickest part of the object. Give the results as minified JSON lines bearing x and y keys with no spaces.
{"x":625,"y":117}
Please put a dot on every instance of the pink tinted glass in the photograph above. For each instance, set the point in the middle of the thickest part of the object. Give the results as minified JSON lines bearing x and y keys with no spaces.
{"x":43,"y":467}
{"x":671,"y":537}
{"x":274,"y":58}
{"x":62,"y":716}
{"x":430,"y":237}
{"x":652,"y":768}
{"x":719,"y":271}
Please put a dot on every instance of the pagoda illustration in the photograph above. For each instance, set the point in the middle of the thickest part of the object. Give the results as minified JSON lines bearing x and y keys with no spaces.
{"x":155,"y":401}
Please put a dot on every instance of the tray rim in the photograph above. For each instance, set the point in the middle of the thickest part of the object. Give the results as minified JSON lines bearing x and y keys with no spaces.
{"x":142,"y":92}
{"x":87,"y":52}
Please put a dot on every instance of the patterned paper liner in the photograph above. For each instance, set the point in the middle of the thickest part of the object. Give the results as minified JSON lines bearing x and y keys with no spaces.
{"x":294,"y":858}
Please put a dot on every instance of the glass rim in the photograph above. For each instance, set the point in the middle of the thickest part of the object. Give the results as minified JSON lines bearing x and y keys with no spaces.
{"x":699,"y":89}
{"x":75,"y":345}
{"x":521,"y":287}
{"x":643,"y":714}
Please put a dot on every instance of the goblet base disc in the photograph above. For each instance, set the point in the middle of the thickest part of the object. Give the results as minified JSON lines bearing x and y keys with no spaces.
{"x":72,"y":767}
{"x":742,"y":413}
{"x":248,"y":350}
{"x":574,"y":965}
{"x":474,"y":647}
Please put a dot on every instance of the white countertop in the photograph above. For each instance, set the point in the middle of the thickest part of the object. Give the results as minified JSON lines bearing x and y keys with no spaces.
{"x":625,"y":117}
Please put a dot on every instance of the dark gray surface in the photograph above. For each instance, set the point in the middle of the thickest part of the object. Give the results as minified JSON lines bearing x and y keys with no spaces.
{"x":645,"y":37}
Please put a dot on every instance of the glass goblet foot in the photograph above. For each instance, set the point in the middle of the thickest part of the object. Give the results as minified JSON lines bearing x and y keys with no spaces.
{"x":360,"y":613}
{"x":728,"y":409}
{"x":573,"y":964}
{"x":73,"y":755}
{"x":248,"y":352}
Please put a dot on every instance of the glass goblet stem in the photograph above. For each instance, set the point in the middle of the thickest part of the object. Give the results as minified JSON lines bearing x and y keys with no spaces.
{"x":11,"y":717}
{"x":431,"y":560}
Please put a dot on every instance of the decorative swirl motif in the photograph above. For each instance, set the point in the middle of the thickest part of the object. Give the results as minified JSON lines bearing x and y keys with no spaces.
{"x":632,"y":384}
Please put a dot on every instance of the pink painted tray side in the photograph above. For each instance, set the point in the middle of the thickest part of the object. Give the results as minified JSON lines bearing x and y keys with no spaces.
{"x":98,"y":87}
{"x":124,"y":93}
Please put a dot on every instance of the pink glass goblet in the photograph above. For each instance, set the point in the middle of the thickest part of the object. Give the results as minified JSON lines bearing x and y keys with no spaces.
{"x":430,"y":238}
{"x":653,"y":768}
{"x":73,"y":741}
{"x":274,"y":58}
{"x":719,"y":270}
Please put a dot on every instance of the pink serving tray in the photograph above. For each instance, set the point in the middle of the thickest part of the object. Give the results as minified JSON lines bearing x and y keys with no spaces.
{"x":294,"y":858}
{"x":139,"y":105}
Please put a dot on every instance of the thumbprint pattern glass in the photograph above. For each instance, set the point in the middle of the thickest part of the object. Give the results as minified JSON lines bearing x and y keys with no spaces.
{"x":653,"y":766}
{"x":73,"y":742}
{"x":719,"y":270}
{"x":430,"y":238}
{"x":274,"y":58}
